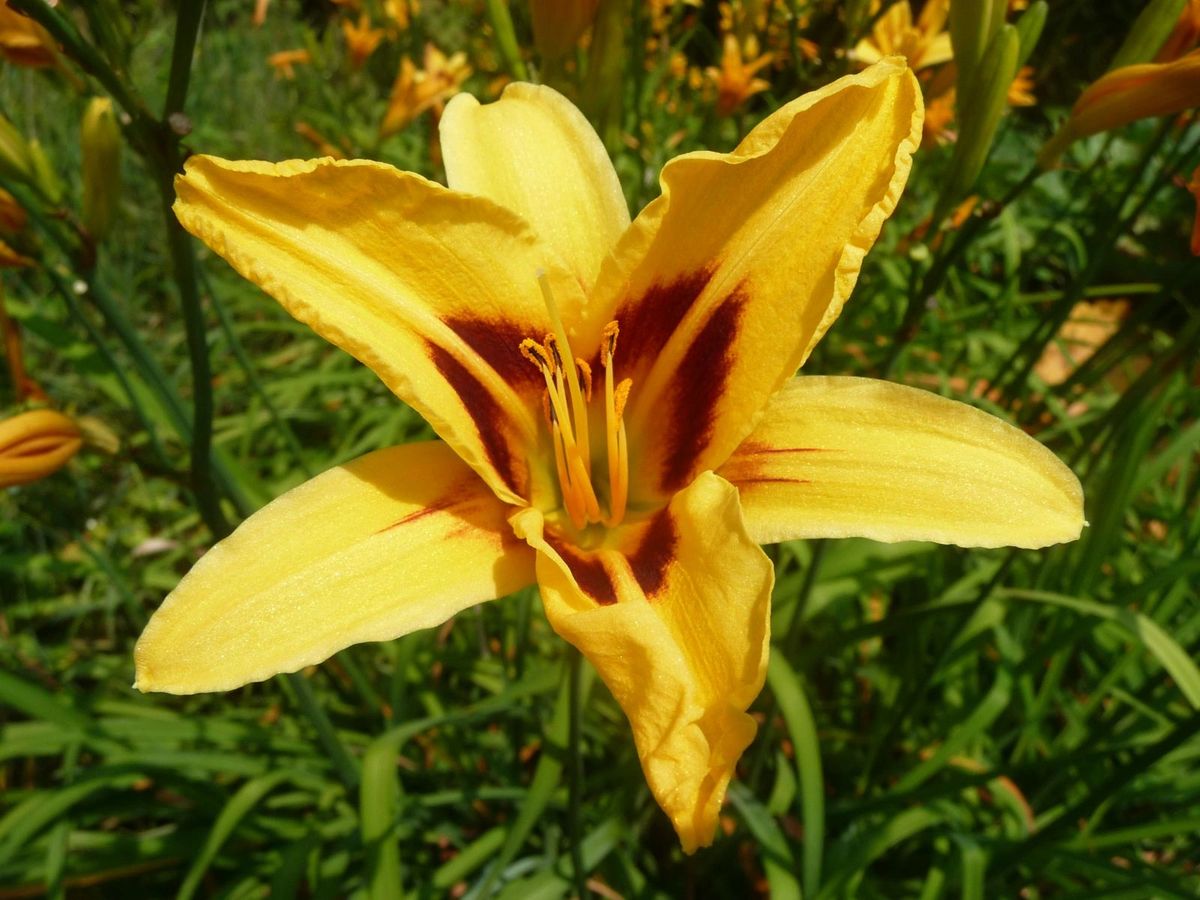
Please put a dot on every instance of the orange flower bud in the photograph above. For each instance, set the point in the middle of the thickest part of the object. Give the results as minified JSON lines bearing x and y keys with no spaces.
{"x":36,"y":444}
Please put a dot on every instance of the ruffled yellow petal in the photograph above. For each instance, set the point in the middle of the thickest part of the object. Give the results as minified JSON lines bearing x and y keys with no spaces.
{"x":433,"y":290}
{"x":534,"y":153}
{"x":674,"y":613}
{"x":855,"y":457}
{"x":398,"y":540}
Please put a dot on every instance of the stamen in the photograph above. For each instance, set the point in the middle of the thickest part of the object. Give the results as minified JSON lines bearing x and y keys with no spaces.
{"x":609,"y":339}
{"x":586,"y":371}
{"x":551,"y":343}
{"x":622,"y":397}
{"x":614,"y":408}
{"x":578,"y":406}
{"x":534,"y":352}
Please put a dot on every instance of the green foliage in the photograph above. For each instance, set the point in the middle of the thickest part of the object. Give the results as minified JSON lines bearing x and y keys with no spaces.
{"x":936,"y":723}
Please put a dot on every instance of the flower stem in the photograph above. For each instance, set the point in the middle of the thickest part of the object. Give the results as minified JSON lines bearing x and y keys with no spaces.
{"x":343,"y":763}
{"x":506,"y":38}
{"x":931,"y":283}
{"x":575,"y":772}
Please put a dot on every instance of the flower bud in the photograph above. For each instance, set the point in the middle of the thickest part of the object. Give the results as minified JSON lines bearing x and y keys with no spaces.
{"x":15,"y":161}
{"x":45,"y":179}
{"x":559,"y":24}
{"x":101,"y":140}
{"x":36,"y":444}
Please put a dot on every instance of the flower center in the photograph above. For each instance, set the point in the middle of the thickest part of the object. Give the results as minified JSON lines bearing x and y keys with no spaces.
{"x":565,"y":402}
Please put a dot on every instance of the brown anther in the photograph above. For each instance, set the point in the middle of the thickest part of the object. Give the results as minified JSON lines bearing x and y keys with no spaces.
{"x":535,"y":353}
{"x":585,"y":372}
{"x":609,"y":337}
{"x":551,"y":344}
{"x":620,"y":395}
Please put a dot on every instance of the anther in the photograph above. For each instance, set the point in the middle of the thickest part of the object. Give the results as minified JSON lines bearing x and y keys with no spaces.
{"x":551,"y":344}
{"x":609,"y":338}
{"x":585,"y":372}
{"x":535,"y":353}
{"x":620,"y":396}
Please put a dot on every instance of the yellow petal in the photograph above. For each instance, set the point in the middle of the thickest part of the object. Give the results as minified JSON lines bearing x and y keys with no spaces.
{"x":433,"y":290}
{"x":937,"y":50}
{"x":855,"y":457}
{"x":398,"y":540}
{"x":675,"y":616}
{"x":723,"y":284}
{"x":533,"y":152}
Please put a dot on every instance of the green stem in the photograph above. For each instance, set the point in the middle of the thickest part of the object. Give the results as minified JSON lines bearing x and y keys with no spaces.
{"x":64,"y":32}
{"x":926,"y":287}
{"x":183,"y":265}
{"x":256,"y":385}
{"x":575,"y":773}
{"x":187,"y":29}
{"x":97,"y":339}
{"x":343,"y":763}
{"x":506,"y":38}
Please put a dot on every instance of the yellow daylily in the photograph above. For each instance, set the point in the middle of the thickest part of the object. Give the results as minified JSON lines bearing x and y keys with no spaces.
{"x":927,"y":43}
{"x":615,"y":402}
{"x":36,"y":444}
{"x":736,"y":80}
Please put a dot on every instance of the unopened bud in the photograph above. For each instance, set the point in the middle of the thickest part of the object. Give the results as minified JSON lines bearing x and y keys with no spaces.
{"x":101,"y":142}
{"x":559,"y":24}
{"x":36,"y":444}
{"x":45,"y":179}
{"x":15,"y":161}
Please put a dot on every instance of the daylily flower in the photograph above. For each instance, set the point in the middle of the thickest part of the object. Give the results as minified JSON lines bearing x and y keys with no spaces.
{"x":415,"y":91}
{"x":284,"y":62}
{"x":924,"y":44}
{"x":735,"y":80}
{"x":615,"y":401}
{"x":361,"y":39}
{"x":1020,"y":92}
{"x":36,"y":444}
{"x":401,"y":12}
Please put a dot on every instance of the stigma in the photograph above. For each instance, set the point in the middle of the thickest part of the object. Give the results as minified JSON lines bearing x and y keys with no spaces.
{"x":565,"y":403}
